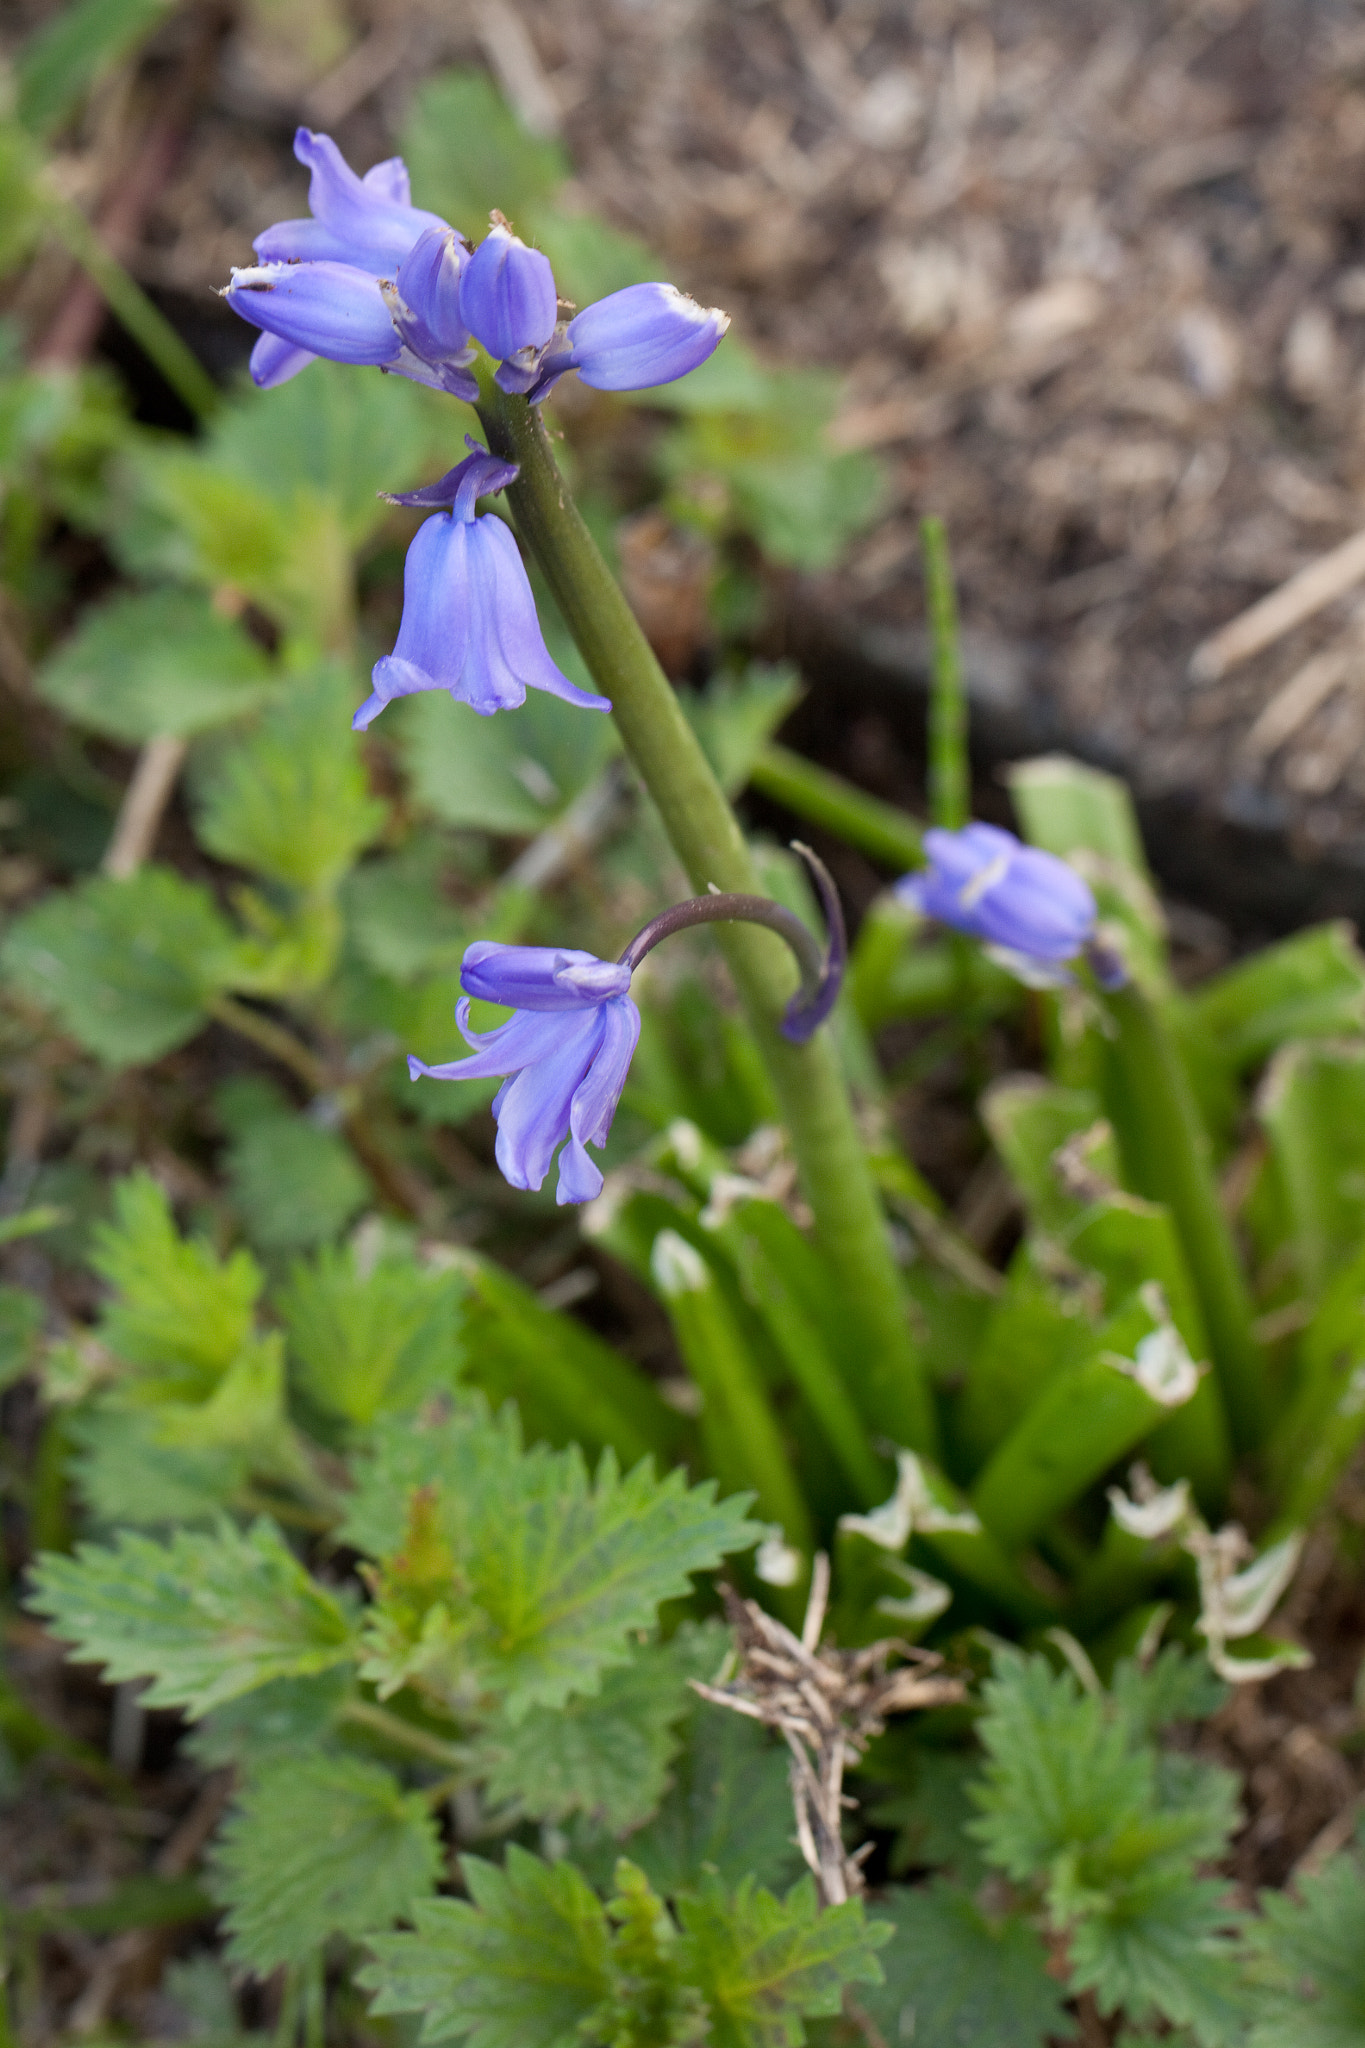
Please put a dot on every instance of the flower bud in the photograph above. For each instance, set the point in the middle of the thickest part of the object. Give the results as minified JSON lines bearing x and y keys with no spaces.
{"x":645,"y":335}
{"x":507,"y":295}
{"x":330,"y":309}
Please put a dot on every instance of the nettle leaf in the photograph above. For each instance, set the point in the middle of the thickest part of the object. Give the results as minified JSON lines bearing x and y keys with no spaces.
{"x":764,"y":1964}
{"x":606,"y":1756}
{"x":206,"y":1617}
{"x":294,"y":1184}
{"x":129,"y":967}
{"x":289,"y":1717}
{"x":730,"y":1809}
{"x":157,"y":661}
{"x":290,"y":802}
{"x":1308,"y":1961}
{"x":125,"y":1471}
{"x":368,"y":1339}
{"x":515,"y":1573}
{"x":522,"y":1965}
{"x":180,"y":1313}
{"x":1164,"y":1953}
{"x":953,"y":1975}
{"x":1075,"y":1796}
{"x":317,"y":1846}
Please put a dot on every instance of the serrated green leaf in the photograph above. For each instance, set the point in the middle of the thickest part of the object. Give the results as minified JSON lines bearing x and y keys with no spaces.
{"x":605,"y":1756}
{"x":124,"y":1471}
{"x":545,"y":1571}
{"x":1069,"y":1788}
{"x":294,"y":1183}
{"x":180,"y":1314}
{"x":1164,"y":1952}
{"x":514,"y":773}
{"x":730,"y":1809}
{"x":289,"y":1717}
{"x":1178,"y":1685}
{"x":127,"y":966}
{"x":764,"y":1964}
{"x":291,"y":802}
{"x":316,"y":1846}
{"x":522,"y":1966}
{"x":1308,"y":1961}
{"x":206,"y":1617}
{"x":364,"y":1341}
{"x":159,"y":661}
{"x":953,"y":1976}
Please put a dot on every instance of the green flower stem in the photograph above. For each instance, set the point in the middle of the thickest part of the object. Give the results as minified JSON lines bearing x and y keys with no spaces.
{"x":892,"y":1391}
{"x":1165,"y":1151}
{"x":133,"y":310}
{"x":822,"y":798}
{"x":950,"y":787}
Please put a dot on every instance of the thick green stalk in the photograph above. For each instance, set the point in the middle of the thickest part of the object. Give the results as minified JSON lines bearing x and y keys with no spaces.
{"x":950,"y":788}
{"x":1165,"y":1151}
{"x":893,"y":1390}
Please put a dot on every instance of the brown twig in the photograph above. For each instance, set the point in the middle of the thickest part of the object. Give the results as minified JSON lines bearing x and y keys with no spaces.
{"x":827,"y":1705}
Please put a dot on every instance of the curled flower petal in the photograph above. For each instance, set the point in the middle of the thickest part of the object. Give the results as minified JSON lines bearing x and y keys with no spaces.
{"x":479,"y":475}
{"x":645,"y":335}
{"x":507,"y":295}
{"x":274,"y":361}
{"x":330,"y":309}
{"x":985,"y":882}
{"x":362,"y":221}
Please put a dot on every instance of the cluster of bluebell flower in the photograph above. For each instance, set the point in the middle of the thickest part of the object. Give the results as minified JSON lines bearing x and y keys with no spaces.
{"x":371,"y":279}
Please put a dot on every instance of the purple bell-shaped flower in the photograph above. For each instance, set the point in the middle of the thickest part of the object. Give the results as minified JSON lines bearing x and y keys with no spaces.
{"x":469,"y":620}
{"x":565,"y":1052}
{"x":1033,"y":909}
{"x":647,"y":334}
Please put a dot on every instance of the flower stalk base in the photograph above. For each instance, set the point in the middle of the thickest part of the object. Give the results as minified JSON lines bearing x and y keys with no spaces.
{"x":893,"y":1391}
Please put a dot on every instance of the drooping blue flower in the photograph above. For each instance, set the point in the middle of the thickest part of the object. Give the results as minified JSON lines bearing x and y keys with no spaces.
{"x":565,"y":1054}
{"x":1027,"y":903}
{"x":469,"y":620}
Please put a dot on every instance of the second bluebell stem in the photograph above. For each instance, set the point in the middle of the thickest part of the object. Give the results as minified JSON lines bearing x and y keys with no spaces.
{"x":892,"y":1389}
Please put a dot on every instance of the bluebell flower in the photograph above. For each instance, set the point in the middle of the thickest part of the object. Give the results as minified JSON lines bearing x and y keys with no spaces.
{"x":370,"y":278}
{"x":318,"y":287}
{"x":565,"y":1052}
{"x":469,"y":620}
{"x":1030,"y":906}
